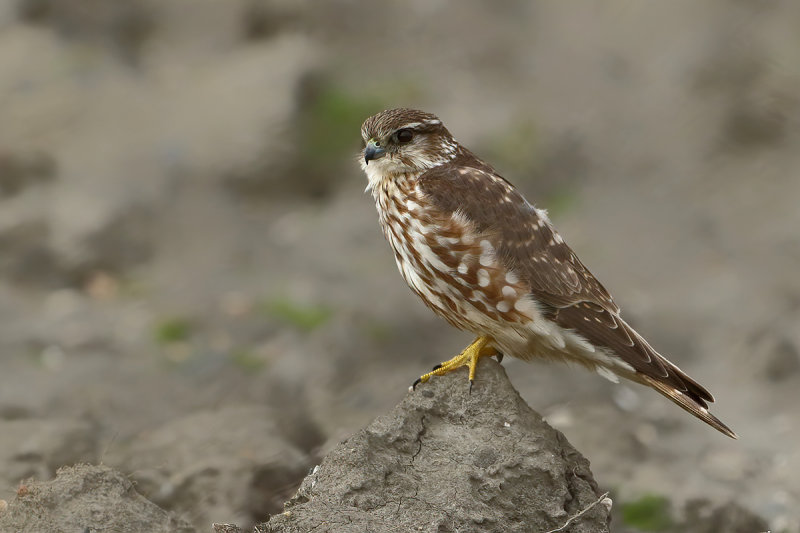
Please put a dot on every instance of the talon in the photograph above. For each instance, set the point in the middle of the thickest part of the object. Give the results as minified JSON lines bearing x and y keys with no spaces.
{"x":480,"y":347}
{"x":500,"y":356}
{"x":471,"y":383}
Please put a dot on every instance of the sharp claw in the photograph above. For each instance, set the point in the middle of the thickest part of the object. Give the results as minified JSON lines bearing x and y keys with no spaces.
{"x":437,"y":367}
{"x":500,"y":356}
{"x":471,"y":382}
{"x":414,"y":386}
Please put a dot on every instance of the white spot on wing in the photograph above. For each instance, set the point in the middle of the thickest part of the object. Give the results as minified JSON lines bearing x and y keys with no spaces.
{"x":487,"y":253}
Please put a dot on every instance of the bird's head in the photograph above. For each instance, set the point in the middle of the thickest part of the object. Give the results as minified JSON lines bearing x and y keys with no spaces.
{"x":400,"y":141}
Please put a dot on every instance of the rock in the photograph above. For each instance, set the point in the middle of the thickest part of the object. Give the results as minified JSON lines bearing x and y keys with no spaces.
{"x":86,"y":498}
{"x":19,"y":171}
{"x":448,"y":460}
{"x":701,"y":517}
{"x":122,"y":26}
{"x":232,"y":464}
{"x":25,"y":254}
{"x":100,"y":248}
{"x":37,"y":447}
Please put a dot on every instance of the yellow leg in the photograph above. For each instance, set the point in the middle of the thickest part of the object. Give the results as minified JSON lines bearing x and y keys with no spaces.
{"x":469,"y":357}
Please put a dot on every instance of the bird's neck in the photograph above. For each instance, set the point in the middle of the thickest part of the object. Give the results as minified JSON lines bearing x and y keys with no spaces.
{"x":392,"y":193}
{"x":390,"y":183}
{"x":394,"y":185}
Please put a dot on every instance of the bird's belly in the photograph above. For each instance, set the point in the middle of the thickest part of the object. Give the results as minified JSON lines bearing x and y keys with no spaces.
{"x":445,"y":290}
{"x":429,"y":283}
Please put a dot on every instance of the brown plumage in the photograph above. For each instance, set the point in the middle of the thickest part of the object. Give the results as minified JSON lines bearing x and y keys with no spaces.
{"x":487,"y":261}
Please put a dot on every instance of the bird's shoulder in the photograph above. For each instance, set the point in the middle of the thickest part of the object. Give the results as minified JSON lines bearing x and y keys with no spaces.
{"x":522,"y":235}
{"x":455,"y":185}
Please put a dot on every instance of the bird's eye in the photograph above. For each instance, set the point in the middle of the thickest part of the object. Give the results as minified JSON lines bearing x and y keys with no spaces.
{"x":404,"y":136}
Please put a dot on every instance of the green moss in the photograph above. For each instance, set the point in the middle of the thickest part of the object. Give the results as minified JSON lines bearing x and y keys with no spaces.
{"x":247,"y":360}
{"x":648,"y":513}
{"x":304,"y":317}
{"x":170,"y":330}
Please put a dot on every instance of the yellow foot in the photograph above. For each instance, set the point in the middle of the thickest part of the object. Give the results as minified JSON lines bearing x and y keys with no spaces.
{"x":469,"y":357}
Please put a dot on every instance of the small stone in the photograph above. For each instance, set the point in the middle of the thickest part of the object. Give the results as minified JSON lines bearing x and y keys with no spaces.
{"x":226,"y":528}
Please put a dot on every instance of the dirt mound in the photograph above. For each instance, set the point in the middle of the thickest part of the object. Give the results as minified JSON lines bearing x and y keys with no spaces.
{"x":446,"y":459}
{"x":86,"y":498}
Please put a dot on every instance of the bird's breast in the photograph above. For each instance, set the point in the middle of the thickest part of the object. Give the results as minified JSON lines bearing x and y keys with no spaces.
{"x":450,"y":266}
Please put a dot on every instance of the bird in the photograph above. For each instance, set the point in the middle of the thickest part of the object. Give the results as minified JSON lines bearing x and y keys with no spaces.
{"x":489,"y":262}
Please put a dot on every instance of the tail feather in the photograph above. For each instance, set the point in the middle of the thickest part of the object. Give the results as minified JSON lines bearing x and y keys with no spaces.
{"x":693,"y":406}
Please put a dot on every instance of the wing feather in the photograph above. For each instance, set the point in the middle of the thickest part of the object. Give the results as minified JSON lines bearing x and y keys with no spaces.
{"x":529,"y":246}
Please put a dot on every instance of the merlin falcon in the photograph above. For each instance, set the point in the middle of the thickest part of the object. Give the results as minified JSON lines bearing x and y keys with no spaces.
{"x":489,"y":262}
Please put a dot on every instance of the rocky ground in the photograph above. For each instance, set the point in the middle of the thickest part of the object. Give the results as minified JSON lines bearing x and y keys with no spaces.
{"x":194,"y":290}
{"x":447,"y":459}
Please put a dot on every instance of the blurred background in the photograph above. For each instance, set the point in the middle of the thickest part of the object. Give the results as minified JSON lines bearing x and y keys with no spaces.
{"x":194,"y":288}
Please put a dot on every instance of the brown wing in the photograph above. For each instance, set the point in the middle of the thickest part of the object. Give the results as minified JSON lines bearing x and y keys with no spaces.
{"x":527,"y":243}
{"x":524,"y":239}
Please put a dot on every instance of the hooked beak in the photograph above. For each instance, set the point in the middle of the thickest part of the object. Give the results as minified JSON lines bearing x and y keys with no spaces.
{"x":373,"y":151}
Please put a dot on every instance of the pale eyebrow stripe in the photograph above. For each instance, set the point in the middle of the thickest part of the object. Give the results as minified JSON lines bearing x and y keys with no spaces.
{"x":412,"y":125}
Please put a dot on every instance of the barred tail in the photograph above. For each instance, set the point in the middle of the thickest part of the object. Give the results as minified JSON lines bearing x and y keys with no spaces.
{"x":686,"y":402}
